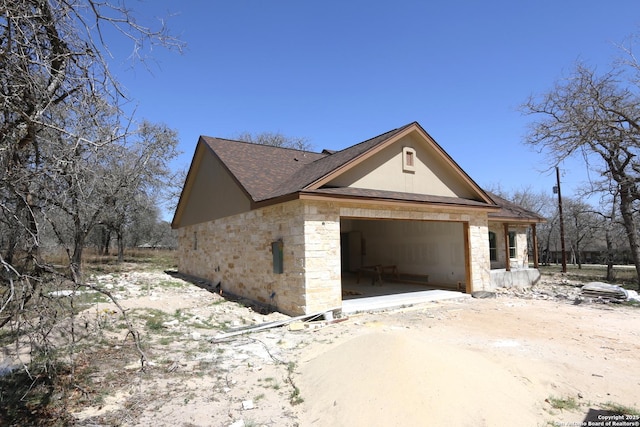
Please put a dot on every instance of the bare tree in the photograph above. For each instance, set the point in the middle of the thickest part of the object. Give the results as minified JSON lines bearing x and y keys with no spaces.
{"x":613,"y":233}
{"x":60,"y":125}
{"x":101,"y":184}
{"x":141,"y":172}
{"x":53,"y":60}
{"x":597,"y":117}
{"x":276,"y":139}
{"x":583,"y":227}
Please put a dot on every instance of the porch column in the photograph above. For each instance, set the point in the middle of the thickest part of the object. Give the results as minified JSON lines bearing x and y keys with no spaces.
{"x":534,"y":238}
{"x":507,"y":260}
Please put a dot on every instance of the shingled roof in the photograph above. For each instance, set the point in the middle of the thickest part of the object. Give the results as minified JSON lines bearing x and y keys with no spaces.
{"x":267,"y":172}
{"x":509,"y":211}
{"x":260,"y":169}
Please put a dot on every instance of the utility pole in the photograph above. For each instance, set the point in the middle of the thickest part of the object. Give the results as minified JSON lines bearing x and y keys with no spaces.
{"x":556,"y":189}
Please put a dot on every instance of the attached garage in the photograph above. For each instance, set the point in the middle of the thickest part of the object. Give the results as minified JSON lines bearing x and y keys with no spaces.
{"x":430,"y":254}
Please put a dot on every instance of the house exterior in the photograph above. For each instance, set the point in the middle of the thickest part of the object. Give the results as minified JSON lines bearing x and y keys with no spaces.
{"x":284,"y":227}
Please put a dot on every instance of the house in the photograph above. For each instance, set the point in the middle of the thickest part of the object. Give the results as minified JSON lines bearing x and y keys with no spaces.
{"x":289,"y":228}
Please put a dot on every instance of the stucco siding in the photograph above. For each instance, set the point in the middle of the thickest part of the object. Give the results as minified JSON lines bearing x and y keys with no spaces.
{"x":384,"y":171}
{"x":213,"y":192}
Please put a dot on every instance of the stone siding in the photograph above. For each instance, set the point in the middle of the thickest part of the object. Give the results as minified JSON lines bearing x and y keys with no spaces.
{"x":322,"y":254}
{"x":522,"y":253}
{"x":236,"y":250}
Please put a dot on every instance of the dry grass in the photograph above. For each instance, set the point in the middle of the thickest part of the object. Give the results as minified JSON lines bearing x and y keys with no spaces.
{"x":625,"y":275}
{"x":138,"y":259}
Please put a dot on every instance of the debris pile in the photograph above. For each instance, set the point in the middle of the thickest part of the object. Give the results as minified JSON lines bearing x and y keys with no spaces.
{"x":609,"y":293}
{"x":604,"y":291}
{"x":573,"y":291}
{"x":545,"y":291}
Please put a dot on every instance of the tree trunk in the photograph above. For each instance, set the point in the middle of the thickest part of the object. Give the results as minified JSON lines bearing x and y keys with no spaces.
{"x":10,"y":246}
{"x":106,"y":240}
{"x":120,"y":237}
{"x":609,"y":241}
{"x":79,"y":236}
{"x":76,"y":257}
{"x":626,"y":209}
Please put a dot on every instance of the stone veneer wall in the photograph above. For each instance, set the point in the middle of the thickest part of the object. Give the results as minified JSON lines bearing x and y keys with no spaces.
{"x":236,"y":250}
{"x":322,"y":254}
{"x":522,"y":247}
{"x":522,"y":253}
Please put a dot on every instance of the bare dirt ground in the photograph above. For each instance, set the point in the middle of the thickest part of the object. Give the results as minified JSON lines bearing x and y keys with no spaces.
{"x":532,"y":359}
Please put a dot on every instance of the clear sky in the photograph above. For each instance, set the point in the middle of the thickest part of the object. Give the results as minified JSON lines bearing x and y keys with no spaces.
{"x":339,"y":72}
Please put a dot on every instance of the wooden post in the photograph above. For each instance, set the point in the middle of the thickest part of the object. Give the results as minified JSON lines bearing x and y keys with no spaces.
{"x":564,"y":252}
{"x":534,"y":240}
{"x":507,"y":259}
{"x":466,"y":231}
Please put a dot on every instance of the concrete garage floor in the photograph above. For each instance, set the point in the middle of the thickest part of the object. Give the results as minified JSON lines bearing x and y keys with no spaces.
{"x":365,"y":296}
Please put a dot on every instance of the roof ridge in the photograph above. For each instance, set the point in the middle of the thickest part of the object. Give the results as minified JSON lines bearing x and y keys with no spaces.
{"x":377,"y":136}
{"x":353,"y":147}
{"x":316,"y":169}
{"x":259,"y":144}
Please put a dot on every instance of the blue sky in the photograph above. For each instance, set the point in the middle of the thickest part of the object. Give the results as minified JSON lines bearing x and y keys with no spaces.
{"x":340,"y":72}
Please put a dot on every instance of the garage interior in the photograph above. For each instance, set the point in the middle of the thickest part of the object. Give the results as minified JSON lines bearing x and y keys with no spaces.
{"x":400,"y":261}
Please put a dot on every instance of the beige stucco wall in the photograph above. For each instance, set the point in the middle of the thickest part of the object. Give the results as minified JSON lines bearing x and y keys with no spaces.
{"x":384,"y":171}
{"x":236,"y":250}
{"x":202,"y":200}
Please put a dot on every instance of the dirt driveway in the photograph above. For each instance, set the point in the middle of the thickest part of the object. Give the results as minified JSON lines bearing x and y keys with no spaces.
{"x":535,"y":359}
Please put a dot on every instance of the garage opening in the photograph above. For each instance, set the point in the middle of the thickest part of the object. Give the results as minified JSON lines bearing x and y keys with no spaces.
{"x":390,"y":257}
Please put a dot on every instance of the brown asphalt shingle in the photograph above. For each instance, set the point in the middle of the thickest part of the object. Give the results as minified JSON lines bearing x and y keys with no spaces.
{"x":259,"y":169}
{"x":509,"y":210}
{"x":322,"y":167}
{"x":267,"y":172}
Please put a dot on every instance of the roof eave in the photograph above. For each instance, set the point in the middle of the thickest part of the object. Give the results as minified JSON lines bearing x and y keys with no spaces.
{"x":393,"y":201}
{"x":310,"y":195}
{"x":188,"y":184}
{"x":517,"y":220}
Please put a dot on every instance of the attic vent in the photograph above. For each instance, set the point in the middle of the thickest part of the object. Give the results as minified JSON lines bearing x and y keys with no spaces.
{"x":408,"y":159}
